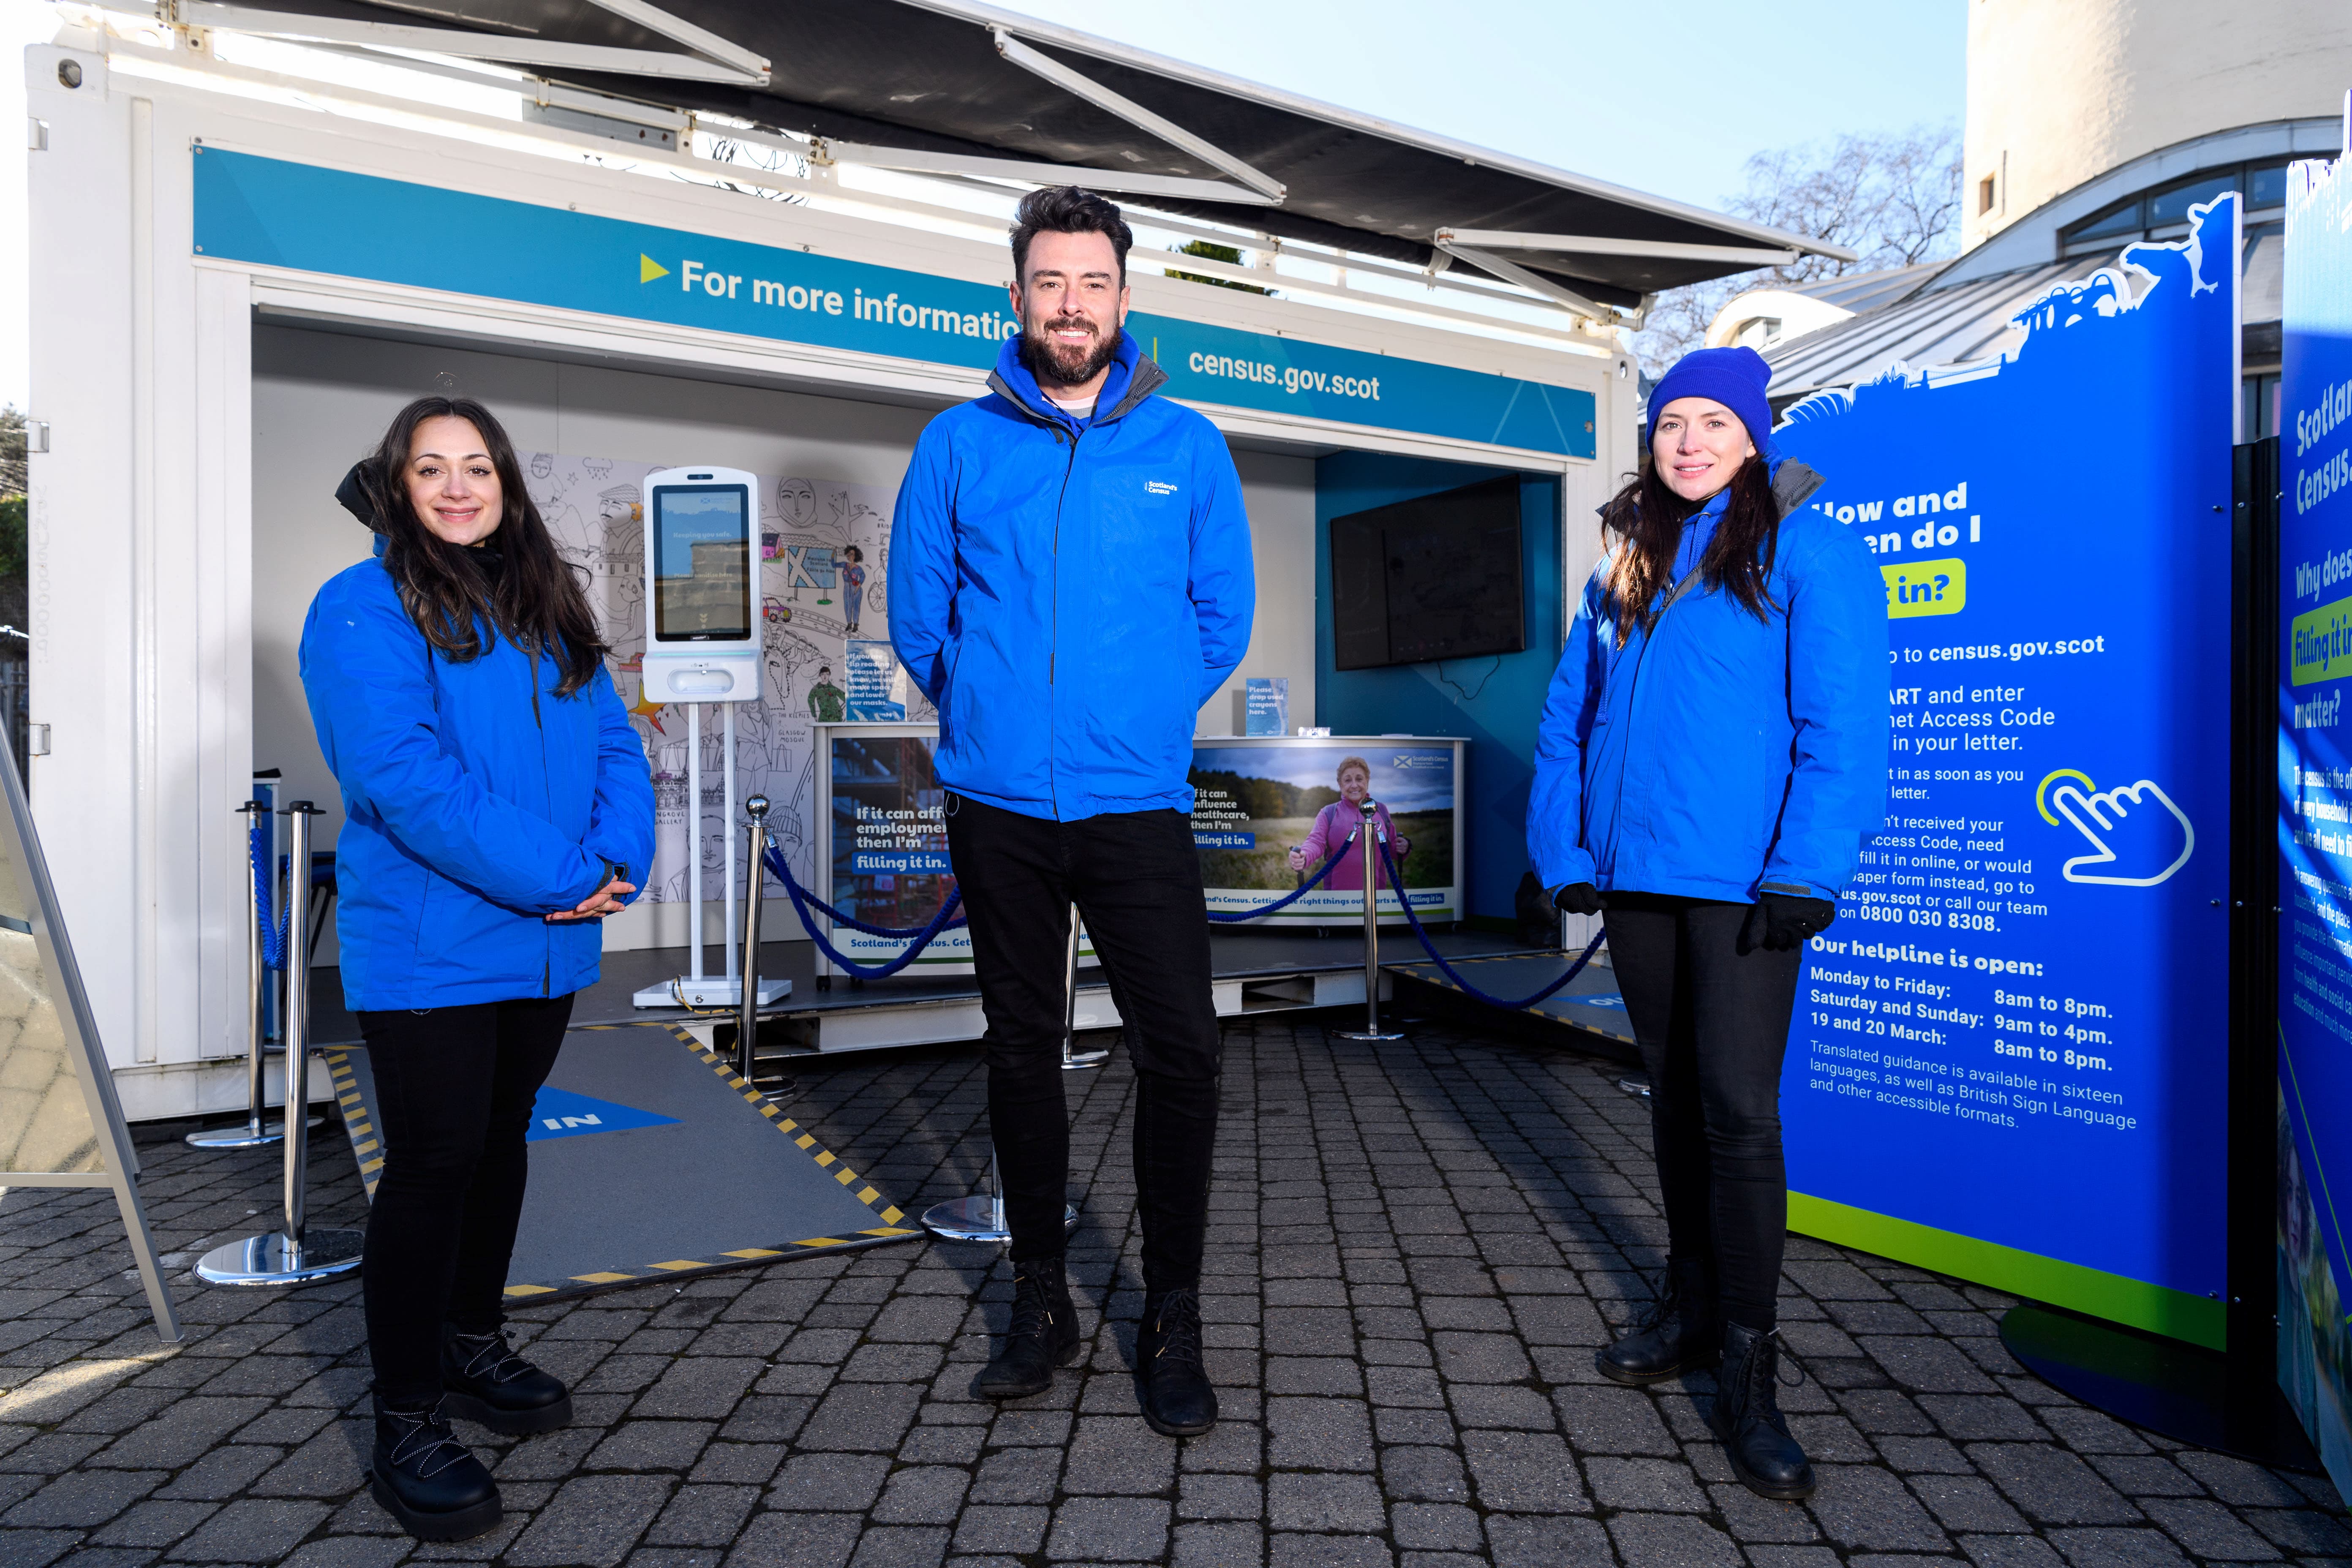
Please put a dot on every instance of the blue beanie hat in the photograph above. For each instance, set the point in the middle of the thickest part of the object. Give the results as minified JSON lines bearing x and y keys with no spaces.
{"x":1734,"y":377}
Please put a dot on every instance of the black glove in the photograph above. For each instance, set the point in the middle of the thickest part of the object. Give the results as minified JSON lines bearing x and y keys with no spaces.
{"x":1782,"y":922}
{"x":1578,"y":898}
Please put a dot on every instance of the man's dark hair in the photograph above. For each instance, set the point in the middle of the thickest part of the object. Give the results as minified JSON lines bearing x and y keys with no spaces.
{"x":1066,"y":209}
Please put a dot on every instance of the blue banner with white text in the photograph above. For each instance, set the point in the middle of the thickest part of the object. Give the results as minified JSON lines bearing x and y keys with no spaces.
{"x":2314,"y":820}
{"x":2008,"y":1061}
{"x":277,"y":214}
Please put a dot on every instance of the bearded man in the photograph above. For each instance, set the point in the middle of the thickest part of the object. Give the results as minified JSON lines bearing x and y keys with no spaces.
{"x":1071,"y":580}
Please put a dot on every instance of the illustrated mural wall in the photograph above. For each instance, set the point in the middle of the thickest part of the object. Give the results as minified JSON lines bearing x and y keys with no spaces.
{"x":825,"y":594}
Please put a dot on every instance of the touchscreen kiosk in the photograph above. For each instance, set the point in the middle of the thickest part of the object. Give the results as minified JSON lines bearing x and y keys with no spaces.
{"x":702,"y":625}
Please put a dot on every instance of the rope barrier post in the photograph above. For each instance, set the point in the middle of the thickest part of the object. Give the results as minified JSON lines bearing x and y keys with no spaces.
{"x":747,"y":1021}
{"x":1375,"y":840}
{"x":253,"y":1134}
{"x":295,"y":1255}
{"x":1073,"y":1059}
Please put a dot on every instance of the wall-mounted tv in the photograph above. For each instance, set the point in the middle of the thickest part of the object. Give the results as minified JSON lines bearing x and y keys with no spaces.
{"x":1431,"y":578}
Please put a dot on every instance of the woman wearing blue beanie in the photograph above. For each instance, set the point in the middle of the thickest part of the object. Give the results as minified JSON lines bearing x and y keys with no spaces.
{"x":1712,"y":757}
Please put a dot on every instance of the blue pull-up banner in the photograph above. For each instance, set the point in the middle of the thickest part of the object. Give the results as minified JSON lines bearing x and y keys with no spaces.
{"x":2314,"y":822}
{"x":2009,"y":1056}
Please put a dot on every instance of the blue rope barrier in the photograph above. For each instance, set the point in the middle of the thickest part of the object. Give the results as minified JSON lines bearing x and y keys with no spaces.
{"x":784,"y":872}
{"x":1396,"y":882}
{"x":273,"y":942}
{"x":1231,"y":917}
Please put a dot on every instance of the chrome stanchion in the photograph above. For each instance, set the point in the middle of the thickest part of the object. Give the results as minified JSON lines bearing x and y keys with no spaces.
{"x":1073,"y":1059}
{"x":1370,"y":829}
{"x":746,"y":1020}
{"x":295,"y":1255}
{"x":253,"y":1134}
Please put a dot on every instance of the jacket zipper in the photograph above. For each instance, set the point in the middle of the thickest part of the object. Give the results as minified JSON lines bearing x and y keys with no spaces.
{"x":1054,"y":643}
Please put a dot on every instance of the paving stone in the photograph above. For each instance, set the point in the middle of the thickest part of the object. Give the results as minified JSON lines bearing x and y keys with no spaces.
{"x":1961,"y":1503}
{"x":924,"y":1494}
{"x":900,"y":1546}
{"x":795,"y":1540}
{"x":1611,"y":1420}
{"x":82,"y":1499}
{"x":1861,"y":1508}
{"x":1549,"y":1543}
{"x":1324,"y":1502}
{"x":1117,"y":1455}
{"x":2051,"y":1485}
{"x":1319,"y":1434}
{"x":847,"y":1482}
{"x":1109,"y":1530}
{"x":1672,"y":1541}
{"x":2115,"y":1548}
{"x":2208,"y":1531}
{"x":251,"y":1530}
{"x":1013,"y":1530}
{"x":1523,"y":1472}
{"x":1219,"y":1546}
{"x":1332,"y":1552}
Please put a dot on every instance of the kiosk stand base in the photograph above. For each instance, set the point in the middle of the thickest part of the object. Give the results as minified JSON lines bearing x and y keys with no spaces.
{"x":980,"y":1217}
{"x":2176,"y":1390}
{"x":711,"y":990}
{"x":274,"y":1259}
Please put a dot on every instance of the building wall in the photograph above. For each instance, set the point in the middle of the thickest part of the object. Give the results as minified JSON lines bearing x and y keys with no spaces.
{"x":2059,"y":91}
{"x":321,"y":399}
{"x":1494,"y":700}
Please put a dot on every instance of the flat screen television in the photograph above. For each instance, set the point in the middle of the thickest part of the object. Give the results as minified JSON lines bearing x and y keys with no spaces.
{"x":1431,"y":578}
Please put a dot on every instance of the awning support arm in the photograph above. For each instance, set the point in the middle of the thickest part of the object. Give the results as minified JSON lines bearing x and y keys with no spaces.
{"x":1596,"y":244}
{"x":498,"y":47}
{"x":1140,"y":184}
{"x":678,"y":30}
{"x":1020,"y":54}
{"x":1549,"y":286}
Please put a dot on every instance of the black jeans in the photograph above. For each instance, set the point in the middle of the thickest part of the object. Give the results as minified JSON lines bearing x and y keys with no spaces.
{"x":1712,"y":1017}
{"x":1135,"y":878}
{"x":454,"y":1090}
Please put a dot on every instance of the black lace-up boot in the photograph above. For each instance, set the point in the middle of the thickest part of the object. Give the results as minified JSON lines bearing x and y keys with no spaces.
{"x":1747,"y":1416}
{"x":1178,"y":1400}
{"x":486,"y":1382}
{"x":427,"y":1479}
{"x":1675,"y":1333}
{"x":1043,"y":1334}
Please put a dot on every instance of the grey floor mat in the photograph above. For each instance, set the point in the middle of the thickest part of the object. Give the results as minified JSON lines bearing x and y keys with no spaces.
{"x":651,"y":1159}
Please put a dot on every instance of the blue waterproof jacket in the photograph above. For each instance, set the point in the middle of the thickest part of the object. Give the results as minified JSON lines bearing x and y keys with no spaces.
{"x":1722,"y":756}
{"x":1070,"y":591}
{"x":475,"y":801}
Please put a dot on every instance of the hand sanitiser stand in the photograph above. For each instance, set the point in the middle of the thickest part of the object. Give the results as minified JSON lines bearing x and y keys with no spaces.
{"x":702,"y":645}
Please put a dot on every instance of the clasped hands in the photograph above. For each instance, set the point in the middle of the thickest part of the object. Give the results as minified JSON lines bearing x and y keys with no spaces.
{"x":605,"y":900}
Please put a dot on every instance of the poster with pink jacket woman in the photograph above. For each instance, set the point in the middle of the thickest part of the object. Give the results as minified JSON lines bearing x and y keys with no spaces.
{"x":1336,"y":821}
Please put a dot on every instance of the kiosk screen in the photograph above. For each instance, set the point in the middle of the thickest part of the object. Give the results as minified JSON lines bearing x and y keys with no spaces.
{"x":702,"y":563}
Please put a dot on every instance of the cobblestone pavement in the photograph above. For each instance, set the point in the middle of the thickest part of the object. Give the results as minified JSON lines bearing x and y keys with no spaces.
{"x":1416,"y":1249}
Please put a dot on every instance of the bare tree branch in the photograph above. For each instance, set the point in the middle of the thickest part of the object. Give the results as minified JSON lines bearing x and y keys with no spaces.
{"x":1894,"y":197}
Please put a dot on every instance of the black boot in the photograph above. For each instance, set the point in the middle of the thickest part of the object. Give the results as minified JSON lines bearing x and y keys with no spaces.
{"x":1674,"y":1334}
{"x":486,"y":1382}
{"x":1043,"y":1336}
{"x":1178,"y":1400}
{"x":427,"y":1479}
{"x":1747,"y":1416}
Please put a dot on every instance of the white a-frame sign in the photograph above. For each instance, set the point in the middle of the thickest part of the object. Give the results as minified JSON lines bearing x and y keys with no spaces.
{"x":60,"y":1123}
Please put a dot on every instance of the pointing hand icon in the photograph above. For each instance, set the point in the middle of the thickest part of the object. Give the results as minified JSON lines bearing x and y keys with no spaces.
{"x":2126,"y":831}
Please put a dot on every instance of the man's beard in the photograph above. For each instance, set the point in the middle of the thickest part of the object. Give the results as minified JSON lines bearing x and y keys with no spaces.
{"x":1061,"y":365}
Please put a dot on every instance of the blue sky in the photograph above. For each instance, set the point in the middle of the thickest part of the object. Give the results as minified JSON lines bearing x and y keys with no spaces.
{"x":1670,"y":98}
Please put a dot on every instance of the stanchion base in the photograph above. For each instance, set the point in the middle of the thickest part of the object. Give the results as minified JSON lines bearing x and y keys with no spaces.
{"x":245,"y":1137}
{"x":975,"y":1219}
{"x":2176,"y":1390}
{"x":273,"y":1260}
{"x":1077,"y":1060}
{"x":1379,"y":1035}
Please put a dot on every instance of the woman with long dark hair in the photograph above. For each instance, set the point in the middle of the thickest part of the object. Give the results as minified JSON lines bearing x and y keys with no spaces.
{"x":1712,"y":757}
{"x":498,"y":805}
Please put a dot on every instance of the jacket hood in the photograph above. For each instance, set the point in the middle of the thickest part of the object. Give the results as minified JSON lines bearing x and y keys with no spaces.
{"x":1132,"y":377}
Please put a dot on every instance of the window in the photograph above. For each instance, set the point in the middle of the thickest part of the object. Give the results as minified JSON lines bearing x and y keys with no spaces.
{"x":2263,"y":185}
{"x":2259,"y":410}
{"x":1985,"y":189}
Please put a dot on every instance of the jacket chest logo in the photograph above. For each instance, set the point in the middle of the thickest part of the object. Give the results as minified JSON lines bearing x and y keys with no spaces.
{"x":1159,"y":487}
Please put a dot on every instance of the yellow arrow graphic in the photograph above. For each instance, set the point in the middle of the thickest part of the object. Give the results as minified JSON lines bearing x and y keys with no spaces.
{"x":649,"y":269}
